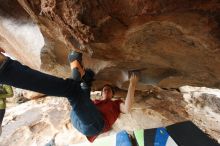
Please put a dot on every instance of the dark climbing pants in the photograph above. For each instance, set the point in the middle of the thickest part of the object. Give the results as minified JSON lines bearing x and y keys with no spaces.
{"x":84,"y":115}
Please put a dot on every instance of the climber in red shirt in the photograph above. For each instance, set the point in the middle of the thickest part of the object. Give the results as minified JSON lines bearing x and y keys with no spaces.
{"x":95,"y":117}
{"x":110,"y":108}
{"x":88,"y":117}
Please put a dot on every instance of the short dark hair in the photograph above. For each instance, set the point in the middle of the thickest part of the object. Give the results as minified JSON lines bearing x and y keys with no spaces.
{"x":108,"y":85}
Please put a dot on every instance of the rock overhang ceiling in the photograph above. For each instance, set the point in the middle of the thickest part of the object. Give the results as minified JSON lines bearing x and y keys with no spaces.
{"x":170,"y":43}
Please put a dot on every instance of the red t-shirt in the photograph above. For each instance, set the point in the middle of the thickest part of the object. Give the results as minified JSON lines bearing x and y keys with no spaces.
{"x":110,"y":110}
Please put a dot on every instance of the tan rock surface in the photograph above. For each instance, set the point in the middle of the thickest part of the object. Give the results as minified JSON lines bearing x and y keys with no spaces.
{"x":171,"y":43}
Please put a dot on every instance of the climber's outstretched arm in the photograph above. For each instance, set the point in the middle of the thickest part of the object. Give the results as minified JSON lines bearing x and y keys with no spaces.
{"x":126,"y":107}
